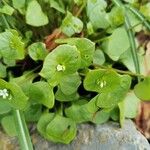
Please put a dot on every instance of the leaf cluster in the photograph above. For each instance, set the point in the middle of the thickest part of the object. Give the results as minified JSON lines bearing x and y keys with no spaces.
{"x":89,"y":74}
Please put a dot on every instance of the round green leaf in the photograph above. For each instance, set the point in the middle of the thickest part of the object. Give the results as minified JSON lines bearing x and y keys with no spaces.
{"x":115,"y":93}
{"x":61,"y":129}
{"x":37,"y":51}
{"x":101,"y":80}
{"x":43,"y":122}
{"x":101,"y":116}
{"x":5,"y":107}
{"x":114,"y":114}
{"x":145,"y":10}
{"x":116,"y":44}
{"x":13,"y":94}
{"x":18,"y":4}
{"x":71,"y":25}
{"x":60,"y":96}
{"x":11,"y":47}
{"x":33,"y":113}
{"x":70,"y":84}
{"x":116,"y":16}
{"x":64,"y":60}
{"x":35,"y":15}
{"x":86,"y":48}
{"x":40,"y":93}
{"x":82,"y":110}
{"x":8,"y":125}
{"x":99,"y":57}
{"x":3,"y":72}
{"x":142,"y":89}
{"x":97,"y":13}
{"x":56,"y":4}
{"x":131,"y":105}
{"x":7,"y":9}
{"x":74,"y":111}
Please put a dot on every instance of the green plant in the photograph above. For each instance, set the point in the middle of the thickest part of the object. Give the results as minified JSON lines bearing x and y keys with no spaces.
{"x":91,"y":69}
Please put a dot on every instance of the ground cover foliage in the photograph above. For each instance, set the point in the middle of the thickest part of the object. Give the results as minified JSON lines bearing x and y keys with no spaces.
{"x":66,"y":62}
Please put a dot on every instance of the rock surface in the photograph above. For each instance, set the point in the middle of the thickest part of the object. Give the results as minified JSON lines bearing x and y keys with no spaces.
{"x":108,"y":136}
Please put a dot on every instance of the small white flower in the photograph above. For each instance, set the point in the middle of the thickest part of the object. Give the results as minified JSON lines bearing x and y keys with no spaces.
{"x":60,"y":68}
{"x":102,"y":84}
{"x":4,"y":93}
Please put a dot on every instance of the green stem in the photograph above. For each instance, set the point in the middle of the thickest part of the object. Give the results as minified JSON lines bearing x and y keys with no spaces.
{"x":60,"y":109}
{"x":131,"y":38}
{"x":140,"y":16}
{"x":81,"y":9}
{"x":22,"y":131}
{"x":21,"y":127}
{"x":136,"y":25}
{"x":102,"y":39}
{"x":120,"y":71}
{"x":5,"y":21}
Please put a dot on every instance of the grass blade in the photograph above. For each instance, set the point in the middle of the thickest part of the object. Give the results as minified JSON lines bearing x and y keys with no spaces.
{"x":140,"y":16}
{"x":131,"y":38}
{"x":22,"y":131}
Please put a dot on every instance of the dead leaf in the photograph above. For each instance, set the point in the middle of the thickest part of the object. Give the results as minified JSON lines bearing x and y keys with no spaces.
{"x":143,"y":119}
{"x":147,"y":59}
{"x":50,"y":39}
